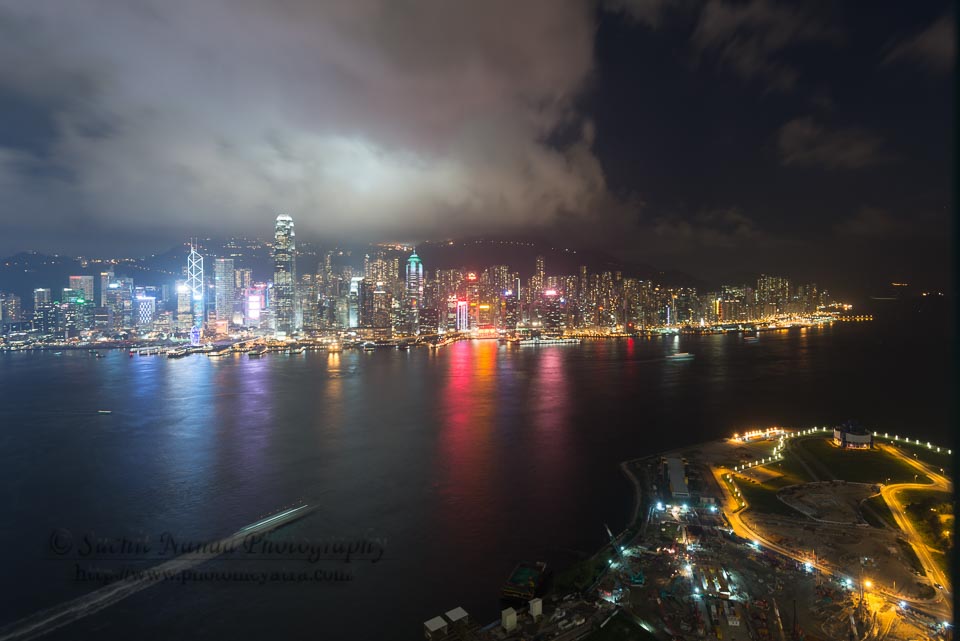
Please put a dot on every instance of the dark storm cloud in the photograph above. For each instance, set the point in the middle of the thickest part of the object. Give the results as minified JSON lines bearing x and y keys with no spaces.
{"x":870,"y":223}
{"x":752,"y":37}
{"x":804,"y":142}
{"x":648,"y":12}
{"x":935,"y":47}
{"x":719,"y":229}
{"x":876,"y":224}
{"x":362,"y":117}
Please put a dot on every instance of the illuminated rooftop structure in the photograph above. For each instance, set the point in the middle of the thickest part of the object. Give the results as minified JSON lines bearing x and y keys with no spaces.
{"x":852,"y":435}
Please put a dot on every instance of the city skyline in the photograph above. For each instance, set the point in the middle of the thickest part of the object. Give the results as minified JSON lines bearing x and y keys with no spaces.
{"x":376,"y":300}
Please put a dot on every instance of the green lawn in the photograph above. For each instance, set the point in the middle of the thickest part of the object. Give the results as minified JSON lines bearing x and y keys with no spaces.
{"x":932,"y":515}
{"x":877,"y":513}
{"x":763,"y":498}
{"x":910,"y":555}
{"x":792,"y":469}
{"x":926,"y":455}
{"x":859,"y":466}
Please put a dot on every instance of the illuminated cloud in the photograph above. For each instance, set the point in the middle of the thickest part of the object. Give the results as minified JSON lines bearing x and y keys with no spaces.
{"x":361,"y":117}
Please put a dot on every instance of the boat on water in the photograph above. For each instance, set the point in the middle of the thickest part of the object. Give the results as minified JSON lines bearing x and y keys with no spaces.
{"x":220,"y":352}
{"x":751,"y":339}
{"x":177,"y":353}
{"x":334,"y":349}
{"x":104,"y":411}
{"x":257,"y":353}
{"x":368,"y":345}
{"x":548,"y":340}
{"x":403,"y":346}
{"x":680,"y":356}
{"x":298,"y":350}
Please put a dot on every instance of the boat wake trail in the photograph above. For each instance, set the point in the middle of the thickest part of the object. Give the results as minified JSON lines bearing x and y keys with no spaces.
{"x":45,"y":621}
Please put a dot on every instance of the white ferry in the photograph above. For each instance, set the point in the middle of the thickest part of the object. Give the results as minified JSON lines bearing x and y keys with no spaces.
{"x":548,"y":340}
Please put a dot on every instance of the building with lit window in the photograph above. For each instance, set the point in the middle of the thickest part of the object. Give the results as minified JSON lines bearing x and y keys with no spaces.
{"x":224,"y":284}
{"x":83,"y":284}
{"x":146,"y":310}
{"x":414,"y":293}
{"x":283,"y":298}
{"x":852,"y":436}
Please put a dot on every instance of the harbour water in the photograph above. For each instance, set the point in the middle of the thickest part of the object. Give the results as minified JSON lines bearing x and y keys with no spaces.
{"x":460,"y":461}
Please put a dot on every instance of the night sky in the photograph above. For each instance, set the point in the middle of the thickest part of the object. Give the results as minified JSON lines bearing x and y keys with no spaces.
{"x":718,"y":138}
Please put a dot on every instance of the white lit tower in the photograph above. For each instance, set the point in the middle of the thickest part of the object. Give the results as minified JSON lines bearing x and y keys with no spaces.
{"x":284,"y":299}
{"x":414,"y":293}
{"x":195,"y":284}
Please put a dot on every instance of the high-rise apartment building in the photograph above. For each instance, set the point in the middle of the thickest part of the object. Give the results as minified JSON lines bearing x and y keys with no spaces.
{"x":10,"y":311}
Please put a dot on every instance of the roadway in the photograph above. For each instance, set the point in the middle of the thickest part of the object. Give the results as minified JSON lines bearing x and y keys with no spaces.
{"x":890,"y":496}
{"x":940,"y":606}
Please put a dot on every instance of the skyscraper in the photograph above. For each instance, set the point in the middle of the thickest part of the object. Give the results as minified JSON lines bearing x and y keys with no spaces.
{"x":105,"y":279}
{"x":83,"y":284}
{"x":224,"y":288}
{"x":120,"y":302}
{"x":243,"y":278}
{"x":414,"y":293}
{"x":284,"y":299}
{"x":146,"y":310}
{"x":41,"y":296}
{"x":195,"y":283}
{"x":10,"y":308}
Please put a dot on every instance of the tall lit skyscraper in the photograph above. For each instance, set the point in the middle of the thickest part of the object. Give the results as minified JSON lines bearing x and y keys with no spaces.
{"x":105,"y":279}
{"x":414,"y":293}
{"x":83,"y":284}
{"x":284,"y":299}
{"x":184,"y":319}
{"x":224,"y":288}
{"x":195,"y":283}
